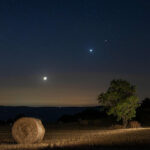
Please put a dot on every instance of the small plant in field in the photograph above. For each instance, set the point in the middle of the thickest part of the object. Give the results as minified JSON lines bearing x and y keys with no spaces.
{"x":134,"y":124}
{"x":117,"y":126}
{"x":97,"y":122}
{"x":83,"y":122}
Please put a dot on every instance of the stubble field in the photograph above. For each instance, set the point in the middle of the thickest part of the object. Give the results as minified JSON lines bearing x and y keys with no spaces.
{"x":82,"y":138}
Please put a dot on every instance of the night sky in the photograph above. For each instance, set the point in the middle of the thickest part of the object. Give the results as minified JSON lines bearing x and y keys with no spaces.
{"x":80,"y":45}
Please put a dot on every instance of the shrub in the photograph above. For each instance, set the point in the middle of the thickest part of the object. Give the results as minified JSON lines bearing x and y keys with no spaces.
{"x":97,"y":122}
{"x":83,"y":122}
{"x":117,"y":126}
{"x":134,"y":124}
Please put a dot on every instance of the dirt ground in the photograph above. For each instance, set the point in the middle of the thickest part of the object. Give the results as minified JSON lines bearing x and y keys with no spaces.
{"x":81,"y":139}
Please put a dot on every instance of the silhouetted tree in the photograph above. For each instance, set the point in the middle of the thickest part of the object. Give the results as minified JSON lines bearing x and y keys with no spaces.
{"x":120,"y":100}
{"x":145,"y":103}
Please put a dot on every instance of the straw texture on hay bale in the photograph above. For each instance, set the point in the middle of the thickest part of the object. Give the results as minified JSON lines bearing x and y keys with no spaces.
{"x":28,"y":130}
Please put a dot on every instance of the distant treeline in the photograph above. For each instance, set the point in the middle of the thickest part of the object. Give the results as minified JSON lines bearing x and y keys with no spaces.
{"x":100,"y":117}
{"x":92,"y":116}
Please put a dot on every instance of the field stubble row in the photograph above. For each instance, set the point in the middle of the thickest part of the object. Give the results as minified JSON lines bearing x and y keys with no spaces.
{"x":61,"y":138}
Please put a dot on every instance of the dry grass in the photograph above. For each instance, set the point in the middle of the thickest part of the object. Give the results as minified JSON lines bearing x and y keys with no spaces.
{"x":134,"y":124}
{"x":76,"y":137}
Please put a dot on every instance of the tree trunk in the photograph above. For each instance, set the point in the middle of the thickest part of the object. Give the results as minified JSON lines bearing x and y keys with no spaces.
{"x":125,"y":122}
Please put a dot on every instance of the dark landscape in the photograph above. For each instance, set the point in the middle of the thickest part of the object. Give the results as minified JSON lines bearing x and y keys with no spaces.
{"x":74,"y":75}
{"x":78,"y":128}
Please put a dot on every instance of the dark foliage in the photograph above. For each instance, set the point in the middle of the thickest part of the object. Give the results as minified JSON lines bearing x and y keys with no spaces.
{"x":143,"y":112}
{"x":121,"y":100}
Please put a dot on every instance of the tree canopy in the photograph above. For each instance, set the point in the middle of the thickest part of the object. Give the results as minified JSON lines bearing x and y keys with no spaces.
{"x":121,"y":100}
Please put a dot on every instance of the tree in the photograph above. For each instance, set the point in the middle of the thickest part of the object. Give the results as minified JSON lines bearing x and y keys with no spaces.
{"x":120,"y":100}
{"x":146,"y":104}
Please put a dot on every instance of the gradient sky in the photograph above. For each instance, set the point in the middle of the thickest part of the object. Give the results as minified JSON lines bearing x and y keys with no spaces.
{"x":53,"y":37}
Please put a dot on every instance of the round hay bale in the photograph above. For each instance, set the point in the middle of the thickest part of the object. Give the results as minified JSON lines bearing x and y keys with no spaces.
{"x":28,"y":130}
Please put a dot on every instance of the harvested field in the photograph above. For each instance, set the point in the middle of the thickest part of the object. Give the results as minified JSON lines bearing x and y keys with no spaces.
{"x":71,"y":139}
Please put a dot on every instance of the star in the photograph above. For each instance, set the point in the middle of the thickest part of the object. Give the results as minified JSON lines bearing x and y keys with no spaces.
{"x":45,"y":78}
{"x":91,"y":50}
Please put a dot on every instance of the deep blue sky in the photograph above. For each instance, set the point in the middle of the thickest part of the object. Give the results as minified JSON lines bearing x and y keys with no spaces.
{"x":53,"y":38}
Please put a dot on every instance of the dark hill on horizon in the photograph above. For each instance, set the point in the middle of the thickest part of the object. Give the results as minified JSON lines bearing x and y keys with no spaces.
{"x":8,"y":114}
{"x":46,"y":114}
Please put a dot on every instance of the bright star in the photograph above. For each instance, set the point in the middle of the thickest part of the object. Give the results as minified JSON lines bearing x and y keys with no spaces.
{"x":91,"y":50}
{"x":45,"y":78}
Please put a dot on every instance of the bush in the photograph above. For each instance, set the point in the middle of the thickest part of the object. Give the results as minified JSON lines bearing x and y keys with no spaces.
{"x":96,"y":122}
{"x":83,"y":122}
{"x":134,"y":124}
{"x":117,"y":126}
